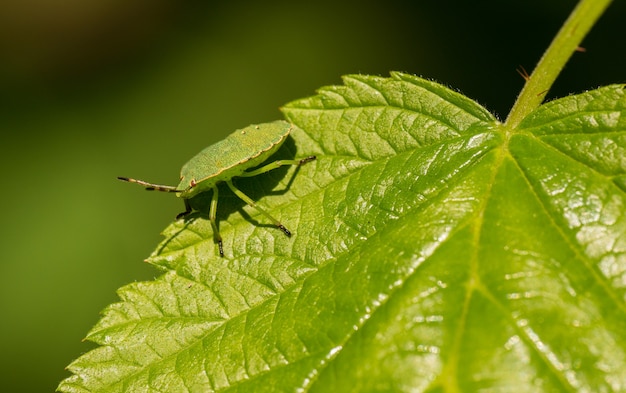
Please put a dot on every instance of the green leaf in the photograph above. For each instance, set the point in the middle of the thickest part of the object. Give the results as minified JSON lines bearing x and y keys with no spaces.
{"x":434,"y":249}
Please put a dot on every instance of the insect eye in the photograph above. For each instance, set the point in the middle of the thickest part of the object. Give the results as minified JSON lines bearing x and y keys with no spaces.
{"x":192,"y":183}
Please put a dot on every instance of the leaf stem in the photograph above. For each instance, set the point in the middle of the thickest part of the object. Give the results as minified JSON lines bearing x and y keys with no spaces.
{"x":566,"y":42}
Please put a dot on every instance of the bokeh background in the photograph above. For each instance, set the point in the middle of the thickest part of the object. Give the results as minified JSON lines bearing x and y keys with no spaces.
{"x":91,"y":90}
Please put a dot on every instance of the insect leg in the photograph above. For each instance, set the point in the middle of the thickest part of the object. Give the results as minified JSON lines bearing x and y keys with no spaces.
{"x":217,"y":238}
{"x":277,"y":164}
{"x":187,"y":210}
{"x":250,"y":202}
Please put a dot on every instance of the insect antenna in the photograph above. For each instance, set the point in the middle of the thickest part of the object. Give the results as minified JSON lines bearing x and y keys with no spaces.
{"x":150,"y":186}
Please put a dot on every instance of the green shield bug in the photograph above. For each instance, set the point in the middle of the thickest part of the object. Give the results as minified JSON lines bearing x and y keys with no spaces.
{"x":231,"y":157}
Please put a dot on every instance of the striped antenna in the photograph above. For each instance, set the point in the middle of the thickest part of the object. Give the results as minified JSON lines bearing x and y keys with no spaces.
{"x":150,"y":186}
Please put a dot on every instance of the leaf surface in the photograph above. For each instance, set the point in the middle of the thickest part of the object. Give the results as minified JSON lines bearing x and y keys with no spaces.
{"x":434,"y":249}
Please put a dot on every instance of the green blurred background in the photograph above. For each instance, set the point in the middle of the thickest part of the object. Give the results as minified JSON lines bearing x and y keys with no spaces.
{"x":94,"y":90}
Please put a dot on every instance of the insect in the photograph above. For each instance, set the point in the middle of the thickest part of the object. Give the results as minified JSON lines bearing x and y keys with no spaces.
{"x":231,"y":157}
